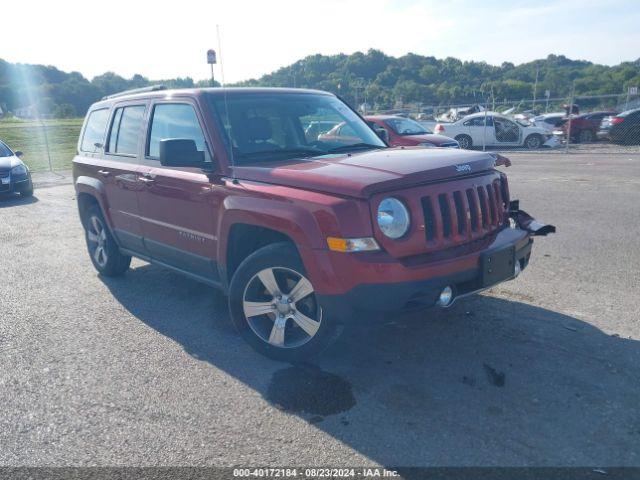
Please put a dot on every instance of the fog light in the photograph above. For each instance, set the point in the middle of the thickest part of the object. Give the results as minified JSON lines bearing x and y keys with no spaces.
{"x":517,"y":269}
{"x":445,"y":298}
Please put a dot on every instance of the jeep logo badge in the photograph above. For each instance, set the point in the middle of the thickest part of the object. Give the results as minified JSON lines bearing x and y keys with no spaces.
{"x":465,"y":167}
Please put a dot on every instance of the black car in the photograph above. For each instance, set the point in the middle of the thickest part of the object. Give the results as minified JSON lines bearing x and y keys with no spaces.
{"x":622,"y":128}
{"x":14,"y":175}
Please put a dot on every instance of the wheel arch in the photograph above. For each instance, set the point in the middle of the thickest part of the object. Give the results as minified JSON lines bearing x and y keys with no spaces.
{"x":247,"y":225}
{"x":91,"y":191}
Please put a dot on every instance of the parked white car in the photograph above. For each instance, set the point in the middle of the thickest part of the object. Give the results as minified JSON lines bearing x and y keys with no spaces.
{"x":550,"y":121}
{"x":500,"y":131}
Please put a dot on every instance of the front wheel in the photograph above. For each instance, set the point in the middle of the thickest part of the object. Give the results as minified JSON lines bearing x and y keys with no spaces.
{"x":274,"y":306}
{"x":533,"y":141}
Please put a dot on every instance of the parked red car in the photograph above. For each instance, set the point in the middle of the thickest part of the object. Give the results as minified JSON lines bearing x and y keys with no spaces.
{"x":407,"y":132}
{"x":304,"y":235}
{"x":584,"y":128}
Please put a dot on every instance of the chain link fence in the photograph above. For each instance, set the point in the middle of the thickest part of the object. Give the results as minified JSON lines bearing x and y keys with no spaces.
{"x":607,"y":123}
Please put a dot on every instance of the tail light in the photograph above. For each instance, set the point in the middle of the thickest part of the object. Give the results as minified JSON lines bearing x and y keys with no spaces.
{"x":616,"y":120}
{"x":439,"y":128}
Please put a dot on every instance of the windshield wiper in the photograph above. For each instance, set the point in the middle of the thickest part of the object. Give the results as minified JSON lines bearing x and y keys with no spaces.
{"x":296,"y":152}
{"x":355,"y":146}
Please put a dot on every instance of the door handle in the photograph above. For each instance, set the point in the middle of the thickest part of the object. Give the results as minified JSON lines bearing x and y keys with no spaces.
{"x":127,"y":178}
{"x":146,"y":180}
{"x":104,"y":173}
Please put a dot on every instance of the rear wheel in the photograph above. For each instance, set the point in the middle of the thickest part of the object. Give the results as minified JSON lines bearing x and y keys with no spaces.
{"x":274,"y":307}
{"x":103,"y":250}
{"x":533,"y":141}
{"x":464,"y":141}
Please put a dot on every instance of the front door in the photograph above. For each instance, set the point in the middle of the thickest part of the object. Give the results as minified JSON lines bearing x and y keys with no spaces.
{"x":178,"y":205}
{"x":507,"y":132}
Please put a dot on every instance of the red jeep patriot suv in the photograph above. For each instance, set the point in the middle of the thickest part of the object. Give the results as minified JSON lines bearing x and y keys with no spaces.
{"x":304,"y":235}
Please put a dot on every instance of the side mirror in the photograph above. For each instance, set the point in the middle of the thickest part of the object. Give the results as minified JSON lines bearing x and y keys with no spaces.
{"x":382,"y":133}
{"x":18,"y":153}
{"x":180,"y":152}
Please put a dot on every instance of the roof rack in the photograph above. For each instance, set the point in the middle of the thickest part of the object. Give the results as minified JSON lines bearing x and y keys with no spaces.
{"x":152,"y":88}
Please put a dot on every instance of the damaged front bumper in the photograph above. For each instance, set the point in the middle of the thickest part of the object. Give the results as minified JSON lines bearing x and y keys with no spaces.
{"x":527,"y":222}
{"x":420,"y":287}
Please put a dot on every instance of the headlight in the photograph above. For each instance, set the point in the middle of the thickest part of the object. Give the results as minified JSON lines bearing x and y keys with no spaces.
{"x":393,"y":218}
{"x":427,"y":145}
{"x":19,"y":170}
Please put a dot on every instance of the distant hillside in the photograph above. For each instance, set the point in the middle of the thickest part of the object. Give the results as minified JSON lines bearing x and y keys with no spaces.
{"x":386,"y":80}
{"x":382,"y":80}
{"x":25,"y":88}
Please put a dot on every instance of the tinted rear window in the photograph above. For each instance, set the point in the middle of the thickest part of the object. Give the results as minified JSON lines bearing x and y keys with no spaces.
{"x":125,"y":130}
{"x":94,"y":131}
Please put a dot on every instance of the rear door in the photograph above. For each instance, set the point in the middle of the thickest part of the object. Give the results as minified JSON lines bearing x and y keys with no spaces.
{"x":481,"y":134}
{"x":179,"y":205}
{"x":117,"y":168}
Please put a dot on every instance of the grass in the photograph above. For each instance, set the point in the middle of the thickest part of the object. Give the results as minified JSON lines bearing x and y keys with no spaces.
{"x":28,"y":136}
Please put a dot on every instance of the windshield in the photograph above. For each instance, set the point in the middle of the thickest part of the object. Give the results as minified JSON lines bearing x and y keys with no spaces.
{"x":5,"y":151}
{"x":406,"y":126}
{"x":263,"y":127}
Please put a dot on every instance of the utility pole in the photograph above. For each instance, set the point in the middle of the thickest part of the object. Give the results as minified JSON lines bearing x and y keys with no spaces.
{"x":573,"y":92}
{"x":535,"y":89}
{"x":547,"y":93}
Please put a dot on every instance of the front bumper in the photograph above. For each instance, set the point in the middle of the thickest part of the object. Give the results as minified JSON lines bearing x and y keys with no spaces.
{"x":16,"y":184}
{"x":368,"y":303}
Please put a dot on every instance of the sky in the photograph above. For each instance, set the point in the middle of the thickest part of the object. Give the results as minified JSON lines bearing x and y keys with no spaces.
{"x":169,"y":39}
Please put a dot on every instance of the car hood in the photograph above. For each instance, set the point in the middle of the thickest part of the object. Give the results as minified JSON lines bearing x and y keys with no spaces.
{"x":7,"y":163}
{"x":362,"y":174}
{"x":429,"y":137}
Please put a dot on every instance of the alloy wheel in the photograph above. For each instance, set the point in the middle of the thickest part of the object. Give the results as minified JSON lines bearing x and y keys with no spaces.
{"x":97,"y":235}
{"x":280,"y":307}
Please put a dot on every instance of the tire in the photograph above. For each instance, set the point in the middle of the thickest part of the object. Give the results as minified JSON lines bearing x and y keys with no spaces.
{"x":533,"y":142}
{"x":103,"y":250}
{"x":27,"y":193}
{"x":464,"y":141}
{"x":282,"y":330}
{"x":586,"y":136}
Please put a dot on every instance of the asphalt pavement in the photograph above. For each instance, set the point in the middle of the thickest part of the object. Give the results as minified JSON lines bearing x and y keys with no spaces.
{"x":148,"y":370}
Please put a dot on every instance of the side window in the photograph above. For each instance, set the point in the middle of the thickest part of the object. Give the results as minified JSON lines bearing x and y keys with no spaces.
{"x":125,"y":130}
{"x":175,"y":120}
{"x":478,"y":122}
{"x":94,"y":130}
{"x":347,"y":130}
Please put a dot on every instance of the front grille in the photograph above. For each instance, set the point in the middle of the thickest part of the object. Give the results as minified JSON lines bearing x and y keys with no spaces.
{"x":450,"y":145}
{"x":462,"y":216}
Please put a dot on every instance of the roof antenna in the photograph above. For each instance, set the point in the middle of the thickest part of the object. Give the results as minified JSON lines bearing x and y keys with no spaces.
{"x":226,"y":108}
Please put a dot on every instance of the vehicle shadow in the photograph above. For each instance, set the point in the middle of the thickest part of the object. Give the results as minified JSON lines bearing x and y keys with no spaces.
{"x":490,"y":381}
{"x":12,"y":200}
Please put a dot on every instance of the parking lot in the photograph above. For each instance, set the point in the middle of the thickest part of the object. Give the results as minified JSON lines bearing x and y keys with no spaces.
{"x":147,"y":369}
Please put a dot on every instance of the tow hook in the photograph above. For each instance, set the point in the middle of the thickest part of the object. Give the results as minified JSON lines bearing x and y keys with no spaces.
{"x":527,"y":222}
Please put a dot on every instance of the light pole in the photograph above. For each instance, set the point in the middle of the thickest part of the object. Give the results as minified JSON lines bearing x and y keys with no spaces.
{"x":211,"y":60}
